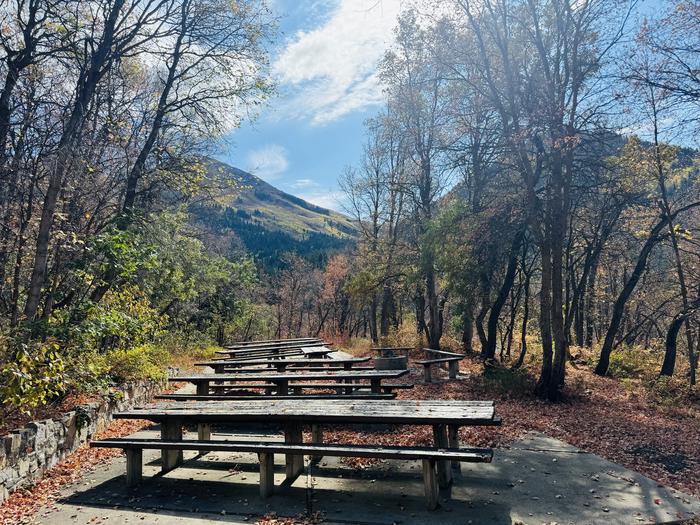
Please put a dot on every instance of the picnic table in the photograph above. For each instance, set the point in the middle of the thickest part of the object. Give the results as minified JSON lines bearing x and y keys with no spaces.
{"x":284,"y":344}
{"x":274,"y":341}
{"x":282,"y":381}
{"x":281,"y":365}
{"x":445,"y":416}
{"x":305,"y":351}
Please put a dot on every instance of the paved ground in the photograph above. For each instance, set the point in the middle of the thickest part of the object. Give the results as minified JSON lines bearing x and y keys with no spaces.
{"x":539,"y":480}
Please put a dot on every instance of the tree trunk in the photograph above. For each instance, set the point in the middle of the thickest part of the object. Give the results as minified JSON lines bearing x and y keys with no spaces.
{"x":489,"y":352}
{"x":669,"y":364}
{"x":85,"y":90}
{"x":629,"y":286}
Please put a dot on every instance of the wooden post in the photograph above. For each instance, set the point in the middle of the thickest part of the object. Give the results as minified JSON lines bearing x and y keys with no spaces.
{"x":203,"y":429}
{"x":134,"y":466}
{"x":443,"y":468}
{"x":202,"y":388}
{"x":454,"y":369}
{"x":267,"y":474}
{"x":203,"y":434}
{"x":294,"y":462}
{"x":170,"y":430}
{"x":453,"y":442}
{"x":430,"y":484}
{"x":282,"y":387}
{"x":428,"y":373}
{"x":316,"y":438}
{"x":375,"y":386}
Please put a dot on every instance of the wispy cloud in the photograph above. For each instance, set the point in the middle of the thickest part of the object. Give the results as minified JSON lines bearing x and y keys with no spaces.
{"x":331,"y":70}
{"x":268,"y":162}
{"x":300,"y":184}
{"x":326,"y":199}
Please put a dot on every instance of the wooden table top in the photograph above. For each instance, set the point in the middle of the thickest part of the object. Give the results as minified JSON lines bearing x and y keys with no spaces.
{"x":273,"y":341}
{"x":273,"y":346}
{"x":340,"y":411}
{"x":285,"y":362}
{"x":300,"y":376}
{"x":278,"y":351}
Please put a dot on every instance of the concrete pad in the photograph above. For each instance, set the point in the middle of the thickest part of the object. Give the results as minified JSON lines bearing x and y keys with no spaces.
{"x":538,"y":480}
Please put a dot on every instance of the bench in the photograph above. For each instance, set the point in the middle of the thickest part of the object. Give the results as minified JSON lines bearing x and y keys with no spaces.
{"x":449,"y":358}
{"x":266,"y":450}
{"x":230,"y":397}
{"x":386,"y":388}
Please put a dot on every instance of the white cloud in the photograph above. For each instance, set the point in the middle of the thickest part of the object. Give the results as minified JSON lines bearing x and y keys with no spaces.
{"x":329,"y":199}
{"x":331,"y":70}
{"x":304,"y":183}
{"x":268,"y":162}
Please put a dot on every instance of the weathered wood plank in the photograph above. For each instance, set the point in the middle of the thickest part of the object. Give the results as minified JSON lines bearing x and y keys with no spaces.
{"x":467,"y":455}
{"x":225,"y":397}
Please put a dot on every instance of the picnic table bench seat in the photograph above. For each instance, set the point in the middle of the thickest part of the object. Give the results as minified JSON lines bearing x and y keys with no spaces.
{"x":283,"y":381}
{"x":228,"y":397}
{"x":449,"y":358}
{"x":266,"y":450}
{"x":348,"y":388}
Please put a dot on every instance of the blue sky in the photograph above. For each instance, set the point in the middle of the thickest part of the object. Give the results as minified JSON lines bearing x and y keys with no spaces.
{"x":324,"y":64}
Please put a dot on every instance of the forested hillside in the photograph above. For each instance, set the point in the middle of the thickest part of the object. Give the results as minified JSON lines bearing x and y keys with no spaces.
{"x":269,"y":223}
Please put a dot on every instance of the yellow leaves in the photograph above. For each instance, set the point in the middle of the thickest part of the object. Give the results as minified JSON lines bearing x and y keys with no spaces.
{"x":682,"y":232}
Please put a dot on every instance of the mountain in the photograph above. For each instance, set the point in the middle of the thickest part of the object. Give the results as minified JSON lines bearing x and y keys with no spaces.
{"x":255,"y":217}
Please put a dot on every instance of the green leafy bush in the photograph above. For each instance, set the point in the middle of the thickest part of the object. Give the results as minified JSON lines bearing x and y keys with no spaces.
{"x":507,"y":381}
{"x":633,"y":362}
{"x":669,"y":391}
{"x":34,"y":374}
{"x":142,"y":362}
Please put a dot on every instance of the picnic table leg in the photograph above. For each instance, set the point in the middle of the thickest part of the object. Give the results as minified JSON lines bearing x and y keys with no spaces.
{"x":171,"y":431}
{"x":316,"y":438}
{"x":134,"y":466}
{"x":428,"y":374}
{"x":443,"y":467}
{"x":454,"y":369}
{"x":282,"y":388}
{"x":267,"y":473}
{"x":375,"y":386}
{"x":453,"y":442}
{"x":294,"y":462}
{"x":203,"y":429}
{"x":430,"y":483}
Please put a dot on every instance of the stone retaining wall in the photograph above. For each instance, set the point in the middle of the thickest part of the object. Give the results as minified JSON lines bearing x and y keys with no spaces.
{"x":27,"y":453}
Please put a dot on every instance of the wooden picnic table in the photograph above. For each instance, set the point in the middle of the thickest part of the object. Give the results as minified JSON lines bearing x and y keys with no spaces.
{"x":307,"y":351}
{"x":281,"y":365}
{"x":266,"y":341}
{"x":265,"y":346}
{"x":282,"y":380}
{"x":445,"y":416}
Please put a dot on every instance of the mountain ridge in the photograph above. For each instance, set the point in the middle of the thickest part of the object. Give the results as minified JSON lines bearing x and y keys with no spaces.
{"x":268,"y":222}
